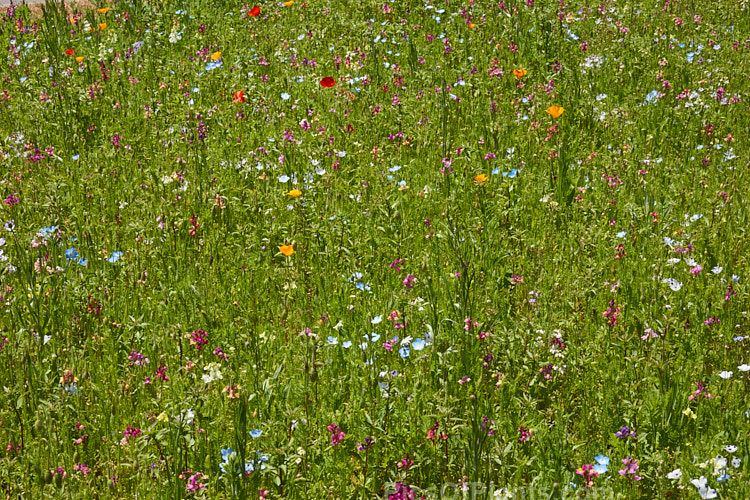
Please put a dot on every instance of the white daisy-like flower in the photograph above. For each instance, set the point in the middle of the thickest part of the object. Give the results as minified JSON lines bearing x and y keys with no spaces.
{"x":726,"y":375}
{"x":675,"y":474}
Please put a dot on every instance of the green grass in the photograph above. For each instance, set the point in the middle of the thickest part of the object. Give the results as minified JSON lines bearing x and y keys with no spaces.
{"x":524,"y":297}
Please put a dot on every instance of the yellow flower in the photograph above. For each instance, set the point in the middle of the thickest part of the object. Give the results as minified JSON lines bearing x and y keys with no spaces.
{"x":481,"y":178}
{"x":79,"y":59}
{"x":289,"y":3}
{"x":103,"y":11}
{"x":103,"y":26}
{"x":216,"y":56}
{"x":287,"y":250}
{"x":519,"y":73}
{"x":555,"y":111}
{"x":689,"y":413}
{"x":294,"y":193}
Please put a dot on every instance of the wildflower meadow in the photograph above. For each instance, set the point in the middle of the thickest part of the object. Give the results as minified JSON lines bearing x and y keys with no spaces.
{"x":383,"y":250}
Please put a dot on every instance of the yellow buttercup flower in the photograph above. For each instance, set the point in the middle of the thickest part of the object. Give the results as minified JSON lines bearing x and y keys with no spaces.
{"x":294,"y":193}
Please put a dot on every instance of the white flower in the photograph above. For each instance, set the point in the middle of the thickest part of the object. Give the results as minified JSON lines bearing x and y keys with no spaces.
{"x":376,"y":320}
{"x":186,"y":416}
{"x":717,"y":269}
{"x":736,"y":463}
{"x":719,"y":462}
{"x":503,"y":494}
{"x":743,"y":368}
{"x":730,"y":448}
{"x":214,"y":372}
{"x":703,"y":490}
{"x":690,"y":262}
{"x":675,"y":474}
{"x":673,"y":261}
{"x":726,"y":375}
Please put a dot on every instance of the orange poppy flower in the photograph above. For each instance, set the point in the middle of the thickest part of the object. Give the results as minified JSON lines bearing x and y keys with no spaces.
{"x":327,"y":82}
{"x":255,"y":11}
{"x":519,"y":73}
{"x":79,"y":59}
{"x":481,"y":178}
{"x":287,"y":250}
{"x":216,"y":56}
{"x":555,"y":111}
{"x":70,"y":52}
{"x":103,"y":26}
{"x":103,"y":11}
{"x":239,"y":96}
{"x":472,"y":25}
{"x":294,"y":193}
{"x":289,"y":3}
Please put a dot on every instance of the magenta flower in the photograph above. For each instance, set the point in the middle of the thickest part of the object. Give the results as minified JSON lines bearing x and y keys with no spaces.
{"x":588,"y":473}
{"x":337,"y":436}
{"x":525,"y":434}
{"x":409,"y":281}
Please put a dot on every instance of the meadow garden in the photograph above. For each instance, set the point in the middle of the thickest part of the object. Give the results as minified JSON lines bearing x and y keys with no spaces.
{"x":335,"y":249}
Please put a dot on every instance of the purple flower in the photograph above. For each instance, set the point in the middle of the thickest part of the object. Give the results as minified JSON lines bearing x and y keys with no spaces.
{"x":625,"y":433}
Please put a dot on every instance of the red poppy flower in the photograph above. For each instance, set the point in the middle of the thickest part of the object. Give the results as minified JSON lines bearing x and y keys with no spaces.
{"x":327,"y":82}
{"x":239,"y":96}
{"x":255,"y":11}
{"x":70,"y":52}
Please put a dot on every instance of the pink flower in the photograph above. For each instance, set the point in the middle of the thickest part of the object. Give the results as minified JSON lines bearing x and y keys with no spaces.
{"x":631,"y":465}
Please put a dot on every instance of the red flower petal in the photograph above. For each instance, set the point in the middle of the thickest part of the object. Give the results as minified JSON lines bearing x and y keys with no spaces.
{"x":255,"y":11}
{"x":327,"y":82}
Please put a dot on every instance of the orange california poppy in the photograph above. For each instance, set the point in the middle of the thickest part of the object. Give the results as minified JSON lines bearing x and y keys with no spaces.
{"x":555,"y":111}
{"x":289,"y":3}
{"x":103,"y":11}
{"x":519,"y":73}
{"x":70,"y":52}
{"x":239,"y":96}
{"x":481,"y":178}
{"x":216,"y":56}
{"x":287,"y":250}
{"x":294,"y":193}
{"x":327,"y":82}
{"x":103,"y":26}
{"x":79,"y":59}
{"x":255,"y":11}
{"x":472,"y":25}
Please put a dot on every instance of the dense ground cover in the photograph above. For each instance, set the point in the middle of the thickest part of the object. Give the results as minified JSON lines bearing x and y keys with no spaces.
{"x":354,"y":250}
